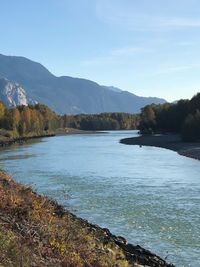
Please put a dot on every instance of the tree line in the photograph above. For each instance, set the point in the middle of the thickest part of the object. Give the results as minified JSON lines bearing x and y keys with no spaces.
{"x":28,"y":120}
{"x":182,"y":117}
{"x":37,"y":120}
{"x":103,"y":121}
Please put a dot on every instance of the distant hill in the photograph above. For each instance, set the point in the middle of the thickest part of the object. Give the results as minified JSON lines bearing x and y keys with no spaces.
{"x":66,"y":94}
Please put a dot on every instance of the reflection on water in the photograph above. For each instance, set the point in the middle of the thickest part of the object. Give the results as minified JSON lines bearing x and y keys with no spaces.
{"x":149,"y":195}
{"x":17,"y":157}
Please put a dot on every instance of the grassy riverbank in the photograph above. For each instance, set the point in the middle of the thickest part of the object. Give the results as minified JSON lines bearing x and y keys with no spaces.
{"x":6,"y":137}
{"x":168,"y":141}
{"x":36,"y":231}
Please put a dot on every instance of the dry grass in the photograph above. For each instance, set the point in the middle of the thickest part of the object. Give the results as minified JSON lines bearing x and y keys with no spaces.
{"x":36,"y":231}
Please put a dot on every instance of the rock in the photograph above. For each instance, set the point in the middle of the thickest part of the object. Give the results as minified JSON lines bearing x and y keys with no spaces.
{"x":12,"y":94}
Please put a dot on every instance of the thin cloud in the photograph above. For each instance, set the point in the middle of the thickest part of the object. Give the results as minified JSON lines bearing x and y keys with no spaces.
{"x":186,"y":44}
{"x":129,"y":51}
{"x":171,"y":70}
{"x":132,"y":19}
{"x":116,"y":55}
{"x":180,"y":22}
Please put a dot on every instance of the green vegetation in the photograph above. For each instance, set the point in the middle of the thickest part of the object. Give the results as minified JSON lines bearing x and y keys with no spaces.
{"x":27,"y":121}
{"x":182,"y":117}
{"x":39,"y":120}
{"x":104,"y":121}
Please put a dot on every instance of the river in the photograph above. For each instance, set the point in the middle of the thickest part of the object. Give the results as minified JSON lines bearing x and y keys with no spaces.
{"x":151,"y":196}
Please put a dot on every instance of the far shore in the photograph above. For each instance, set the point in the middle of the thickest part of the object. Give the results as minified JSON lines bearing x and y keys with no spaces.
{"x":68,"y":131}
{"x":167,"y":141}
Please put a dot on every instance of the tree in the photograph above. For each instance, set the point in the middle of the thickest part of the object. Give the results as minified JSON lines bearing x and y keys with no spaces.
{"x":148,"y":122}
{"x":22,"y":128}
{"x":26,"y":117}
{"x":15,"y":118}
{"x":2,"y":110}
{"x":191,"y":127}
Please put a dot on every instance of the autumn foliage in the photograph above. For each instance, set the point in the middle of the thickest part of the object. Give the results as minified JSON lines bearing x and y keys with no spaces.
{"x":28,"y":120}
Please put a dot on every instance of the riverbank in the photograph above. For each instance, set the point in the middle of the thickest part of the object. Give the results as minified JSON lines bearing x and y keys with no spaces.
{"x":168,"y":141}
{"x":6,"y":140}
{"x":66,"y":131}
{"x":36,"y":231}
{"x":21,"y":140}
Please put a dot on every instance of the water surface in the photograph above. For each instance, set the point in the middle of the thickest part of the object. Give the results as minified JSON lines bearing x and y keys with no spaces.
{"x":149,"y":195}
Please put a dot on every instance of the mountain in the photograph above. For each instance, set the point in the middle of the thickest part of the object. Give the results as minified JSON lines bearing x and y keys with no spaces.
{"x":66,"y":94}
{"x":112,"y":88}
{"x":12,"y":94}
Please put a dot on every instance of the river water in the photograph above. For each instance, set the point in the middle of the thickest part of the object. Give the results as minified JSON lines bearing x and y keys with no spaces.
{"x":151,"y":196}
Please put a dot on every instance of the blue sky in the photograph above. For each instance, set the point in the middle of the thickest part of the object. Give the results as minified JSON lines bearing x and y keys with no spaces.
{"x":148,"y":47}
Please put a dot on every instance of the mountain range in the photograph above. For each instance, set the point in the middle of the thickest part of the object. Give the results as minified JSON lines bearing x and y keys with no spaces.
{"x":23,"y":81}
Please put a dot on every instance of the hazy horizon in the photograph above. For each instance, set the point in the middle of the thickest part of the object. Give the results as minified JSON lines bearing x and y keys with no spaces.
{"x":147,"y":48}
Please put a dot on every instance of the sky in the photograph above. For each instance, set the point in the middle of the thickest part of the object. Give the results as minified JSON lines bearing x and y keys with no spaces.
{"x":148,"y":47}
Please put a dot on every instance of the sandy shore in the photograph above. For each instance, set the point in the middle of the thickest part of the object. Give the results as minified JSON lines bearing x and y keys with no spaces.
{"x":169,"y":141}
